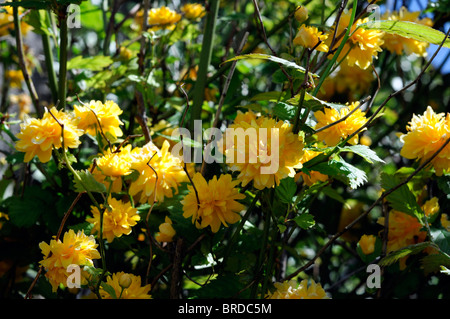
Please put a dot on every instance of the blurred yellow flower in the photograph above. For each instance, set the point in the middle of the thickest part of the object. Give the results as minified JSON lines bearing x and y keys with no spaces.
{"x":38,"y":137}
{"x":398,"y":44}
{"x":118,"y":219}
{"x":361,"y":47}
{"x":15,"y":78}
{"x":97,"y":117}
{"x":75,"y":248}
{"x":263,"y":149}
{"x":162,"y":18}
{"x":135,"y":290}
{"x":333,"y":135}
{"x":309,"y":37}
{"x":425,"y":135}
{"x":217,"y":202}
{"x":367,"y":244}
{"x":193,"y":10}
{"x":7,"y":21}
{"x":288,"y":290}
{"x":23,"y":101}
{"x":166,"y":231}
{"x":445,"y":221}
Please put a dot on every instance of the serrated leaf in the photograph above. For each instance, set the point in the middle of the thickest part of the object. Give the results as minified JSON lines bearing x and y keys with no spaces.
{"x":284,"y":111}
{"x":286,"y":190}
{"x":408,"y":29}
{"x":434,"y":262}
{"x":272,"y":58}
{"x":305,"y":220}
{"x":88,"y":183}
{"x":337,"y":167}
{"x":441,"y":237}
{"x":364,"y":151}
{"x":406,"y":251}
{"x":402,"y":199}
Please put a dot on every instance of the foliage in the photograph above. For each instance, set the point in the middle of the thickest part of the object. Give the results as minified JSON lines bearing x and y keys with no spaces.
{"x":229,"y":64}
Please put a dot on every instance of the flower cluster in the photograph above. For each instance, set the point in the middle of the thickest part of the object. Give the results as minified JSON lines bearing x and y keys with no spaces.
{"x":75,"y":249}
{"x":118,"y":218}
{"x":257,"y":150}
{"x":426,"y":134}
{"x":213,"y":203}
{"x":38,"y":137}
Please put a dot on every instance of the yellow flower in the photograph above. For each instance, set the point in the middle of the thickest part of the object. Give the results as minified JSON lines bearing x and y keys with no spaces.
{"x":162,"y":18}
{"x":217,"y":202}
{"x":75,"y":248}
{"x":313,"y":176}
{"x":38,"y":136}
{"x":193,"y":11}
{"x":398,"y":44}
{"x":425,"y":135}
{"x":367,"y":244}
{"x":133,"y":291}
{"x":255,"y":157}
{"x":169,"y":173}
{"x":107,"y":114}
{"x":333,"y":135}
{"x":431,"y":207}
{"x":288,"y":290}
{"x":362,"y":45}
{"x":15,"y":78}
{"x":166,"y":231}
{"x":118,"y":219}
{"x":116,"y":163}
{"x":403,"y":230}
{"x":445,"y":222}
{"x":309,"y":37}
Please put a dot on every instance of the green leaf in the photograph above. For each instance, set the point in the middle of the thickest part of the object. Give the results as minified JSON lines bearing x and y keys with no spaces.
{"x":286,"y":190}
{"x":337,"y":167}
{"x":434,"y":262}
{"x":25,"y":211}
{"x":402,"y":199}
{"x":441,"y":238}
{"x":110,"y":290}
{"x":406,"y":251}
{"x":284,"y":111}
{"x":38,"y":20}
{"x":95,"y":63}
{"x":408,"y":29}
{"x":272,"y":58}
{"x":305,"y":220}
{"x":88,"y":183}
{"x":363,"y":151}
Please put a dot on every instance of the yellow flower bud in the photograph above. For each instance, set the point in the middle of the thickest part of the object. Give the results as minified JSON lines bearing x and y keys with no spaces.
{"x":301,"y":14}
{"x":125,"y":281}
{"x":367,"y":244}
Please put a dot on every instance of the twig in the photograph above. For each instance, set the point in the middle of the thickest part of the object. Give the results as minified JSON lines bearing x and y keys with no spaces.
{"x":22,"y":63}
{"x":258,"y":14}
